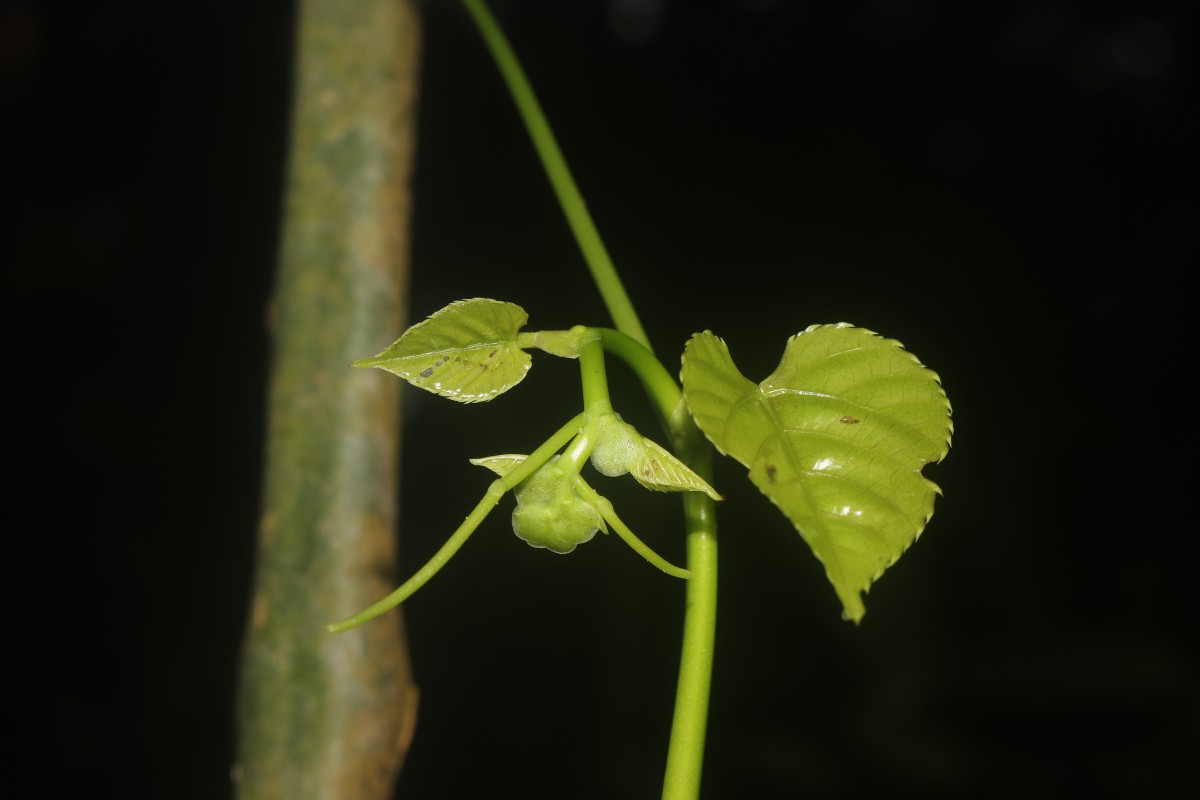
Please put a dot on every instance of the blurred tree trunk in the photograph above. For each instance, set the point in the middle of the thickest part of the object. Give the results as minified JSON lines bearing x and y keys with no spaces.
{"x":324,"y":716}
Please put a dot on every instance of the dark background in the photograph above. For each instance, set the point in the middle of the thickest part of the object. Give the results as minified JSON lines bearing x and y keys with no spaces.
{"x":1001,"y":188}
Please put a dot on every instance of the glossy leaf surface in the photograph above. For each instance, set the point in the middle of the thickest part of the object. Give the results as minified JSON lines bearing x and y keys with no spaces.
{"x":467,"y":351}
{"x":836,"y":437}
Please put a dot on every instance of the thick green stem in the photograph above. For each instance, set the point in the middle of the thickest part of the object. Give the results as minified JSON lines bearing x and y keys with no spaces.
{"x":319,"y":717}
{"x":594,"y":252}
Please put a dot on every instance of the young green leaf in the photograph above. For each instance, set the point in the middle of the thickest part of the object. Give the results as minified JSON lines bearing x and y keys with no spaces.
{"x":836,"y":437}
{"x":467,"y":351}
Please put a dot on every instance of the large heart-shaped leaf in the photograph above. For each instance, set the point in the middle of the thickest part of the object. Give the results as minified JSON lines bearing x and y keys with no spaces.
{"x":836,"y":437}
{"x":467,"y":351}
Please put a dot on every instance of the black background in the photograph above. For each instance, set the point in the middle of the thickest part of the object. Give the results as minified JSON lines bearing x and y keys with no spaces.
{"x":1001,"y":187}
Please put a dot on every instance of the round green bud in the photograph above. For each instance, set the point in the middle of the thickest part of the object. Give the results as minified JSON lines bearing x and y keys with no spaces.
{"x":551,"y":514}
{"x":618,"y":445}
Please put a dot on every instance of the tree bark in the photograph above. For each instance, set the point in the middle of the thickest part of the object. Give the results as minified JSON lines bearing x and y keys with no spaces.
{"x":324,"y":716}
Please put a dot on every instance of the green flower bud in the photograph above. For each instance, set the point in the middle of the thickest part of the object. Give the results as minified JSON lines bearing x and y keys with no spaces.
{"x":618,"y":445}
{"x":551,"y":514}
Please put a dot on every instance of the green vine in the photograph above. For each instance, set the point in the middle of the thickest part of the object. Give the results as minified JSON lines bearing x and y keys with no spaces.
{"x":836,"y":437}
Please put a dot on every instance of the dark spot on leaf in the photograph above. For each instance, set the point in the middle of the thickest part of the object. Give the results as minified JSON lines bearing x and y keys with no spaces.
{"x":849,"y":420}
{"x":771,"y":473}
{"x":425,"y":373}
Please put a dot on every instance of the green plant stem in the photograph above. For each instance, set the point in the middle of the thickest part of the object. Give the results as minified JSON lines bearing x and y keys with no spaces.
{"x":593,"y":374}
{"x":605,"y":507}
{"x":685,"y":755}
{"x":616,"y":299}
{"x":662,"y":389}
{"x":457,"y":539}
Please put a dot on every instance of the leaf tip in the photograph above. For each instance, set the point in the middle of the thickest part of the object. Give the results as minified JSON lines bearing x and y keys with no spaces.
{"x":853,"y":609}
